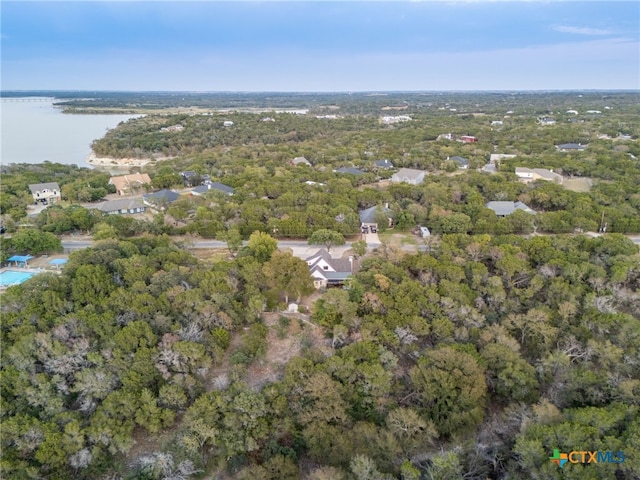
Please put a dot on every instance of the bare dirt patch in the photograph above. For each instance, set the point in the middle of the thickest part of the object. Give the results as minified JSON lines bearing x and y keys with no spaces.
{"x":285,"y":340}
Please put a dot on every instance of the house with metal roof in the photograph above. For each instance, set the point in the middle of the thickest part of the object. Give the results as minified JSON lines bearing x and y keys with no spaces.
{"x":409,"y":175}
{"x":503,"y":208}
{"x":220,"y":187}
{"x":349,"y":170}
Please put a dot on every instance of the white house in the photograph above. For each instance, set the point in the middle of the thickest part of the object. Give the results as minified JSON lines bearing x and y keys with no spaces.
{"x":45,"y":192}
{"x":327,"y":271}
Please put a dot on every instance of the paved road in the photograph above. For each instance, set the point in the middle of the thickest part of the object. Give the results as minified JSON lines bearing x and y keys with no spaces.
{"x":299,"y":248}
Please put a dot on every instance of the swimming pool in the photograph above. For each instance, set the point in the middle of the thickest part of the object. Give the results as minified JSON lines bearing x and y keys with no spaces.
{"x":12,"y":277}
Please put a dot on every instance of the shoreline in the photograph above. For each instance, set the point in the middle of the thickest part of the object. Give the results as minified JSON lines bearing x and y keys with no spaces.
{"x":93,"y":159}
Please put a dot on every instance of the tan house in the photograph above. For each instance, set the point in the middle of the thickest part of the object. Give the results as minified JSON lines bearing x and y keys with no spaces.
{"x":130,"y":184}
{"x":45,"y":193}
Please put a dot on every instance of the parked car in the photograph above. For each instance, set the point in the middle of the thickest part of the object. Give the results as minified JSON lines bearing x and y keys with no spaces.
{"x":374,"y":230}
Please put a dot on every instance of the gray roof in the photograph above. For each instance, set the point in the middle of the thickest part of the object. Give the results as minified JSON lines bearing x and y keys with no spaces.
{"x":502,"y":208}
{"x":162,"y":196}
{"x":38,"y":187}
{"x":369,"y":215}
{"x":410,"y":174}
{"x":570,"y":146}
{"x":120,"y":204}
{"x":220,"y":186}
{"x":350,"y":170}
{"x":383,"y":163}
{"x":339,"y":265}
{"x":460,"y":160}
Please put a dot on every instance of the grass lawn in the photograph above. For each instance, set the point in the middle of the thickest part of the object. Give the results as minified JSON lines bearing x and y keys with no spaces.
{"x":391,"y":237}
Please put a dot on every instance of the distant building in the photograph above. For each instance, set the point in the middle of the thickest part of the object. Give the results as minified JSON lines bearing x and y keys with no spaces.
{"x":349,"y":170}
{"x":546,"y":121}
{"x":409,"y":175}
{"x":502,"y":209}
{"x":496,"y":157}
{"x":129,"y":184}
{"x":532,"y":174}
{"x":220,"y":187}
{"x":300,"y":161}
{"x":383,"y":164}
{"x":45,"y":193}
{"x":227,"y":123}
{"x":468,"y":139}
{"x":570,"y":147}
{"x":387,"y":120}
{"x":461,"y":162}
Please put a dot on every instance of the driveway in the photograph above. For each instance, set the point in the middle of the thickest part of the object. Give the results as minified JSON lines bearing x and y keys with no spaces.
{"x":372,"y":239}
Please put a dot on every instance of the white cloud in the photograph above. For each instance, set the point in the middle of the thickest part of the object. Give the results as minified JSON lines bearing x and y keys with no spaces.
{"x":581,"y":30}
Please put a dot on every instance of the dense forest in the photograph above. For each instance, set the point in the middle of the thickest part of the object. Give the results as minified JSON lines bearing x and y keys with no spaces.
{"x":476,"y":354}
{"x":475,"y":360}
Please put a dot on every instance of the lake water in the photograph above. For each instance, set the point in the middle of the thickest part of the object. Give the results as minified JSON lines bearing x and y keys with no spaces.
{"x":36,"y":131}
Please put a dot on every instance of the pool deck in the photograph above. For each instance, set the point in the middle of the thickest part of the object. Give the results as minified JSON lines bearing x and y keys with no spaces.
{"x":37,"y":265}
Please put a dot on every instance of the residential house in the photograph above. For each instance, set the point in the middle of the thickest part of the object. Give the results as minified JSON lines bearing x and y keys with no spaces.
{"x":496,"y":157}
{"x":502,"y":208}
{"x":300,"y":161}
{"x":45,"y":192}
{"x":349,"y":170}
{"x":388,"y":120}
{"x":409,"y":175}
{"x":130,"y":184}
{"x":227,"y":123}
{"x":220,"y":187}
{"x":160,"y":199}
{"x":532,"y":174}
{"x":368,"y":216}
{"x":468,"y":139}
{"x":122,"y":206}
{"x":496,"y":123}
{"x":461,"y":162}
{"x":383,"y":164}
{"x":489,"y":168}
{"x":546,"y":121}
{"x":328,"y":271}
{"x":571,"y":147}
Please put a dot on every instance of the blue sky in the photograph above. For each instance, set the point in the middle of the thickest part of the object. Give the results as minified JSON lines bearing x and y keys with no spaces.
{"x":320,"y":46}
